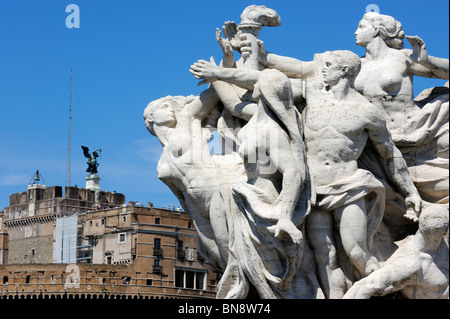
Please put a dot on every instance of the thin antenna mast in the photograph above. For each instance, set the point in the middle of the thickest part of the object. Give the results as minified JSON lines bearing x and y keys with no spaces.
{"x":70,"y":129}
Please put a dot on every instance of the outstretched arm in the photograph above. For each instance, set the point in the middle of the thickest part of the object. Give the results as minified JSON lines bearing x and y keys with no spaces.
{"x":291,"y":67}
{"x":201,"y":106}
{"x":381,"y":282}
{"x":209,"y":72}
{"x":232,"y":101}
{"x":424,"y":65}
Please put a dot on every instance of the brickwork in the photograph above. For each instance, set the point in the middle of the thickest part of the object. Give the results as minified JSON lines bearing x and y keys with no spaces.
{"x":31,"y":250}
{"x":94,"y":280}
{"x":122,"y":250}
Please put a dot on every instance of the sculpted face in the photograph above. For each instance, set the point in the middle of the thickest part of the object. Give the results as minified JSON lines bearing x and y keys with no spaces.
{"x":159,"y":113}
{"x":332,"y":70}
{"x":164,"y":115}
{"x":365,"y":33}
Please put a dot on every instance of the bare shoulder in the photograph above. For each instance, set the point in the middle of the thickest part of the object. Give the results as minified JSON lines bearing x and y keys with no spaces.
{"x":368,"y":111}
{"x":406,"y":53}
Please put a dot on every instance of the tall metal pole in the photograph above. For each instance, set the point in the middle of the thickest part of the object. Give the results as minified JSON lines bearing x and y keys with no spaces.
{"x":70,"y":129}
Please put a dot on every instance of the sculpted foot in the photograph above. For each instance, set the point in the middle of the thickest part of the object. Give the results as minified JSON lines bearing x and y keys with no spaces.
{"x":285,"y":226}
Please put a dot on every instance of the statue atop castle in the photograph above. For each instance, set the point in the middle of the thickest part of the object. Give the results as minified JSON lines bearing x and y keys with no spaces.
{"x":92,"y":179}
{"x":91,"y":159}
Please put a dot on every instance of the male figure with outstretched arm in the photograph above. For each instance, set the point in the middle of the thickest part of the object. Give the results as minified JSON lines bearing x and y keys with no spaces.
{"x":339,"y":123}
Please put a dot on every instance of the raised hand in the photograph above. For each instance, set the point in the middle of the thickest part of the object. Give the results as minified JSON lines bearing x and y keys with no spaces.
{"x":224,"y":43}
{"x":414,"y":206}
{"x":232,"y":33}
{"x":205,"y":71}
{"x":420,"y":53}
{"x":246,"y":50}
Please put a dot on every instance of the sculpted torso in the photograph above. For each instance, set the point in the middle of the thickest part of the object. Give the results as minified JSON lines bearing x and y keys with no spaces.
{"x":387,"y":82}
{"x":429,"y":279}
{"x":195,"y":177}
{"x":335,"y":138}
{"x":433,"y":280}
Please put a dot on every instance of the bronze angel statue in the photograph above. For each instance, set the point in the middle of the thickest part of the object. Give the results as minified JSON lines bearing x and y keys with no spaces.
{"x":91,"y":159}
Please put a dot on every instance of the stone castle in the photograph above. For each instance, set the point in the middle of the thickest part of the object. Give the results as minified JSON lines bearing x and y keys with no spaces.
{"x":58,"y":242}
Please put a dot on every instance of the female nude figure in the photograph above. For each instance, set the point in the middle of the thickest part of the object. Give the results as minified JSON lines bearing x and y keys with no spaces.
{"x":418,"y":128}
{"x":186,"y":165}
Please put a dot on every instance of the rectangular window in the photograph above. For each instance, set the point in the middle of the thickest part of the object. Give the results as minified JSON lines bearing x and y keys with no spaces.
{"x":157,"y":221}
{"x":108,"y":257}
{"x":180,"y":251}
{"x":157,"y":251}
{"x":157,"y":243}
{"x":190,"y":279}
{"x":122,"y":237}
{"x":199,"y":280}
{"x":179,"y":278}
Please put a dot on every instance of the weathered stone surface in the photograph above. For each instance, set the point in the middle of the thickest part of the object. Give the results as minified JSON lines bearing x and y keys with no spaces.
{"x":333,"y":178}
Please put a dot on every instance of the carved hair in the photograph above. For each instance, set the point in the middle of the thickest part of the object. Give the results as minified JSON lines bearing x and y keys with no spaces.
{"x":390,"y":29}
{"x":343,"y":58}
{"x":434,"y":219}
{"x":177,"y":103}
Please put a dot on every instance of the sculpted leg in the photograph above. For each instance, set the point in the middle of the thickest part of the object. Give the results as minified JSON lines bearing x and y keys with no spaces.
{"x":353,"y":229}
{"x":219,"y":227}
{"x":320,"y":236}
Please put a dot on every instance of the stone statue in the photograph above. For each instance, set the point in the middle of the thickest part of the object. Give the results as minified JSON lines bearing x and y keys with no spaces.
{"x":252,"y":187}
{"x":419,"y":127}
{"x":186,"y":165}
{"x":91,"y":159}
{"x":339,"y":124}
{"x":271,"y":204}
{"x":319,"y":191}
{"x":340,"y":186}
{"x":419,"y":268}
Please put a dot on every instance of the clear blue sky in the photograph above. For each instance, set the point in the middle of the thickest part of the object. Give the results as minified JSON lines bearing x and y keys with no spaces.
{"x":128,"y":53}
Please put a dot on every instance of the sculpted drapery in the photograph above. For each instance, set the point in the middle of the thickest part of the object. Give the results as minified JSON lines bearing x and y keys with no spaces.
{"x":321,"y":181}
